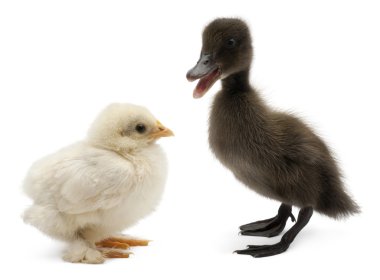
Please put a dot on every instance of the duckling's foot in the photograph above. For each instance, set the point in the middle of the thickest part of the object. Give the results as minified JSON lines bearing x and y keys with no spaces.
{"x":280,"y":247}
{"x":264,"y":250}
{"x":270,"y":227}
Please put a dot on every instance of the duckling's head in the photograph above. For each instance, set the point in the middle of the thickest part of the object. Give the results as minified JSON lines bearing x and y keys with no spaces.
{"x":123,"y":127}
{"x":226,"y":49}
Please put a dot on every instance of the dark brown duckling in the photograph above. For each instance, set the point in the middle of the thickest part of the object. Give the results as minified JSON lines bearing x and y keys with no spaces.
{"x":273,"y":153}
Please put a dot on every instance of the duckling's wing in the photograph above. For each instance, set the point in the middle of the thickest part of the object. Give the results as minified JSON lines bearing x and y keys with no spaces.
{"x":94,"y":183}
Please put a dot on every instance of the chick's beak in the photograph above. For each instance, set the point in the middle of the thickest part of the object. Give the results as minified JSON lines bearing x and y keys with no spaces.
{"x":160,"y":131}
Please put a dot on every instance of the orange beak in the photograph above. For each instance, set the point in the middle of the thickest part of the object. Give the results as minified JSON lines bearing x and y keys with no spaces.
{"x":161,"y":131}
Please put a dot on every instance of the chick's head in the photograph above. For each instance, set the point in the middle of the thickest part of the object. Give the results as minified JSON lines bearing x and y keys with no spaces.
{"x":125,"y":127}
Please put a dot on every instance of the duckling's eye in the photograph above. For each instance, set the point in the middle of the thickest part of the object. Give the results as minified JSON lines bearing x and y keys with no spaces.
{"x":231,"y":43}
{"x":140,"y":128}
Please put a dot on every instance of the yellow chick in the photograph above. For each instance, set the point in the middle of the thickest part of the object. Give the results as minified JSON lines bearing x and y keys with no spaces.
{"x":88,"y":192}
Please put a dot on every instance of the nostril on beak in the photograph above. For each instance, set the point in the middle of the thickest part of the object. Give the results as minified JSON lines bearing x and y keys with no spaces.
{"x":206,"y":62}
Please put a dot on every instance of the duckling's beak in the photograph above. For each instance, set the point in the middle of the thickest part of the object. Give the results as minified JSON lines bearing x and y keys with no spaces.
{"x":207,"y":71}
{"x":160,"y":131}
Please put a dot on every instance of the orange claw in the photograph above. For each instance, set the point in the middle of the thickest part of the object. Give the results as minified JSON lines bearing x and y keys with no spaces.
{"x":126,"y":241}
{"x":115,"y":255}
{"x":107,"y":243}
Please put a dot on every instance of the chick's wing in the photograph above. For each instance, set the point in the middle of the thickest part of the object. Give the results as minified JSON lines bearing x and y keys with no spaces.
{"x":94,"y":182}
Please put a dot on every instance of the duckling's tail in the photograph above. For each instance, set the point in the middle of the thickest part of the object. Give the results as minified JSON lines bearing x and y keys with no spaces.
{"x":334,"y":201}
{"x":337,"y":205}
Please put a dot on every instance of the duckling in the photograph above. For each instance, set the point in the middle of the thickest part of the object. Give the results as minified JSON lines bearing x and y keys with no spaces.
{"x":273,"y":153}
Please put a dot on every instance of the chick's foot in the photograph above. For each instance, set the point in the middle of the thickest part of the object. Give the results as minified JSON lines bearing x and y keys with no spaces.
{"x":115,"y":254}
{"x":80,"y":252}
{"x":121,"y":242}
{"x":270,"y":227}
{"x":108,"y":243}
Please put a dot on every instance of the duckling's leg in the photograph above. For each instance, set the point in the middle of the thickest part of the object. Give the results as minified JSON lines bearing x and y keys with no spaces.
{"x":270,"y":227}
{"x":280,"y":247}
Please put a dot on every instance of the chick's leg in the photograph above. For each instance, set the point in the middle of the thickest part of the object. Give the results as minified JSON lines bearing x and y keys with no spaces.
{"x":270,"y":227}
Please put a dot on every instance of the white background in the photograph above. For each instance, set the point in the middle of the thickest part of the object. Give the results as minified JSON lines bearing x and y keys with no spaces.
{"x":61,"y":62}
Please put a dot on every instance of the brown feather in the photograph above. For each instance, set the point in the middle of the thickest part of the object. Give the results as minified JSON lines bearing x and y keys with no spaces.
{"x":273,"y":153}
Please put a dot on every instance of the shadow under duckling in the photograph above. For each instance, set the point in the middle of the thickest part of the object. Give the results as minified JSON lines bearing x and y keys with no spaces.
{"x":273,"y":153}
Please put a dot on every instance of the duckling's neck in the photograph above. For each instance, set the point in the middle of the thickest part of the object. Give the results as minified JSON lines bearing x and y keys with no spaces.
{"x":237,"y":82}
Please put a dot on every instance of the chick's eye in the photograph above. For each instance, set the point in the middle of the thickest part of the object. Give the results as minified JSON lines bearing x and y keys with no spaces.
{"x":140,"y":128}
{"x":231,"y":43}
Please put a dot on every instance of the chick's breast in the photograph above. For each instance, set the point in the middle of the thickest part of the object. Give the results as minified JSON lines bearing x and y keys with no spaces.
{"x":150,"y":172}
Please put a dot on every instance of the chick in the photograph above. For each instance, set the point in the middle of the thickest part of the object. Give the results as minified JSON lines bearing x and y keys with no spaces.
{"x":88,"y":192}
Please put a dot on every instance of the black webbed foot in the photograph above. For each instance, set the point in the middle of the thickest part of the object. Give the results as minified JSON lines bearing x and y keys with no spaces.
{"x":270,"y":227}
{"x":258,"y":251}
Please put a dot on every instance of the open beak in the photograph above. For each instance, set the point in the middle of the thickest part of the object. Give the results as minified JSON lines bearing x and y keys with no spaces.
{"x":207,"y":71}
{"x":160,"y":131}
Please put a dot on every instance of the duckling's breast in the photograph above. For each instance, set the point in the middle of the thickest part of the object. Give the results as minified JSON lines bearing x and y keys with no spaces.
{"x":237,"y":138}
